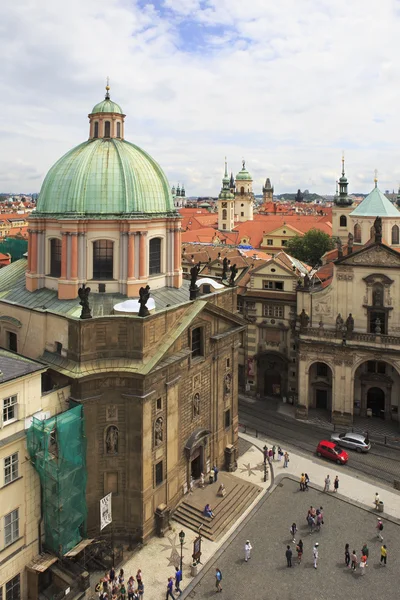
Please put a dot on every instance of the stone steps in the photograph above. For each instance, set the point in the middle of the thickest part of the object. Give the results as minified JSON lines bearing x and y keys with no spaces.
{"x":226,"y":511}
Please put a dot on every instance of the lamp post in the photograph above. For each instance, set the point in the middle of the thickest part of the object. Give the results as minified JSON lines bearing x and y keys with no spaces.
{"x":182,"y":540}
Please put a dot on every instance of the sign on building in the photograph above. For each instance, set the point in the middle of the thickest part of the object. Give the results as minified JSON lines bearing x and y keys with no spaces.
{"x":105,"y":511}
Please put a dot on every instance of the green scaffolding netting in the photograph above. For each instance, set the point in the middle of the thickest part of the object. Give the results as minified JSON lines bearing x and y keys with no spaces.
{"x":15,"y":247}
{"x":57,"y":448}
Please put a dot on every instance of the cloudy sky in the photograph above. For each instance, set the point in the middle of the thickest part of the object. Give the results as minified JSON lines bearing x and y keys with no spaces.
{"x":286,"y":85}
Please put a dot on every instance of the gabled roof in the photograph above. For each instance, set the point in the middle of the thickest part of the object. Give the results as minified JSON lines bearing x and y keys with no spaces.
{"x":375,"y":205}
{"x":372,"y":255}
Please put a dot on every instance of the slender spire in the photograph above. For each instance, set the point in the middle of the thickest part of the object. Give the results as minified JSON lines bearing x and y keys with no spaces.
{"x":343,"y":163}
{"x":376,"y":178}
{"x":226,"y":169}
{"x":107,"y":88}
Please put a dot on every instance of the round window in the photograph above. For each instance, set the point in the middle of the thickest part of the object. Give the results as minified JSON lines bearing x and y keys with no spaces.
{"x":273,"y":270}
{"x":284,"y":231}
{"x":242,"y":205}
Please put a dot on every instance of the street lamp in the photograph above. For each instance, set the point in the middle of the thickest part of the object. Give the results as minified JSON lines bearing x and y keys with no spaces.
{"x":182,"y":540}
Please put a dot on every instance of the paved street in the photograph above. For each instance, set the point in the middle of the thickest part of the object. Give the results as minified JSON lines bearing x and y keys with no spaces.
{"x":266,"y":576}
{"x":381,"y":462}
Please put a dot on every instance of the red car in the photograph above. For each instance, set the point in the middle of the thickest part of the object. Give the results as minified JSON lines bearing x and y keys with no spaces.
{"x":332,"y":451}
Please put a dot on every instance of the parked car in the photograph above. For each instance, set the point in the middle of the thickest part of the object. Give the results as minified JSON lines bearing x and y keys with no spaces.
{"x":355,"y":441}
{"x":332,"y":451}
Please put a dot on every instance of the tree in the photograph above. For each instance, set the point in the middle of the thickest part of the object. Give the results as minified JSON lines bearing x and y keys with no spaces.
{"x":310,"y":247}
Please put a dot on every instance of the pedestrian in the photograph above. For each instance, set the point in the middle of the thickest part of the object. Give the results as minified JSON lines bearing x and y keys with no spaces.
{"x":270,"y":455}
{"x":299,"y":550}
{"x":293,"y":530}
{"x":354,"y":560}
{"x":218,"y":579}
{"x":363,"y":564}
{"x":121,"y":577}
{"x":306,"y":481}
{"x":265,"y":453}
{"x":320,"y":520}
{"x":377,"y":500}
{"x":379,"y":529}
{"x":285,"y":459}
{"x":211,"y":477}
{"x":365,"y":552}
{"x":347,"y":555}
{"x":383,"y":555}
{"x":289,"y":556}
{"x":122,"y":591}
{"x":131,"y":588}
{"x":302,"y":483}
{"x":315,"y":555}
{"x":280,"y":454}
{"x":247,"y":550}
{"x":216,"y":471}
{"x":139,"y":576}
{"x":311,"y":523}
{"x":273,"y":452}
{"x":140,"y":589}
{"x":178,"y":579}
{"x":112,"y":576}
{"x":336,"y":484}
{"x":170,"y":585}
{"x":327,"y":483}
{"x":201,"y":480}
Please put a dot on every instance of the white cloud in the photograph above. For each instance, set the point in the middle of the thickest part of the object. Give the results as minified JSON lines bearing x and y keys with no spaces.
{"x":286,"y":85}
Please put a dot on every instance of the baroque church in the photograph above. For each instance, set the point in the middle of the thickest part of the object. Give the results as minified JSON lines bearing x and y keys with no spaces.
{"x":159,"y":392}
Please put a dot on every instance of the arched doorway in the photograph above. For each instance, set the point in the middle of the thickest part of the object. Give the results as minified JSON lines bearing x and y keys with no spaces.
{"x":320,"y":378}
{"x":376,"y":402}
{"x":272,"y":376}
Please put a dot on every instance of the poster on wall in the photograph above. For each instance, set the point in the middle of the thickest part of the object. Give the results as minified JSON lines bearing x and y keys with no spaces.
{"x":105,"y":511}
{"x":250,"y":367}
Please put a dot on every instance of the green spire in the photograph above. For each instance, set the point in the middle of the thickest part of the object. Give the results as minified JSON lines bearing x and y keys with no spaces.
{"x":226,"y":193}
{"x":342,"y":199}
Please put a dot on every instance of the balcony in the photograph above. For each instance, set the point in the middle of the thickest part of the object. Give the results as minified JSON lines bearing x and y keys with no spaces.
{"x":354,"y":339}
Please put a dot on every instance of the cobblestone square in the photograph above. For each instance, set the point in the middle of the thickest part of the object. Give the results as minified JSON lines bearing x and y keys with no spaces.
{"x":266,"y":576}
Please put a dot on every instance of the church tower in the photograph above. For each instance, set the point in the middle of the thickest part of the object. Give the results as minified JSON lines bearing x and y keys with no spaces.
{"x":342,"y":207}
{"x":226,"y":204}
{"x":244,"y":197}
{"x":268,"y":191}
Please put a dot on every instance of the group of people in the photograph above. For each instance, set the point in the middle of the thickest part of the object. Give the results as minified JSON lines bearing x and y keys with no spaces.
{"x":327,"y":484}
{"x":114,"y":587}
{"x":170,"y":585}
{"x":270,"y":453}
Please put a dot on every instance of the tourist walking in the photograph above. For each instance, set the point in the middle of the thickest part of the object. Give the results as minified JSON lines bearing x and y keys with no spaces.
{"x":218,"y":579}
{"x":320,"y":520}
{"x":327,"y":484}
{"x":112,"y":576}
{"x":131,"y":588}
{"x":211,"y":477}
{"x":270,"y":455}
{"x":247,"y":550}
{"x":383,"y":555}
{"x":285,"y":459}
{"x":377,"y":500}
{"x":178,"y":579}
{"x":347,"y":555}
{"x":311,"y":523}
{"x":306,"y":481}
{"x":201,"y":484}
{"x":336,"y":484}
{"x":299,"y":550}
{"x":170,"y":585}
{"x":379,"y":529}
{"x":363,"y":564}
{"x":302,"y":483}
{"x":289,"y":556}
{"x":365,"y":551}
{"x":139,"y":576}
{"x":315,"y":555}
{"x":265,"y":453}
{"x":280,"y":454}
{"x":140,"y":590}
{"x":293,"y":530}
{"x":354,"y":560}
{"x":216,"y":471}
{"x":273,"y":452}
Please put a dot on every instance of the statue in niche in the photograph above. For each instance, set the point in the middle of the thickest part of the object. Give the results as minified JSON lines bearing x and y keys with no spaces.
{"x":378,"y":328}
{"x":158,"y":431}
{"x":144,"y":295}
{"x":112,"y":440}
{"x":228,"y":383}
{"x":83,"y":294}
{"x":224,"y":268}
{"x":196,"y":405}
{"x":304,"y":319}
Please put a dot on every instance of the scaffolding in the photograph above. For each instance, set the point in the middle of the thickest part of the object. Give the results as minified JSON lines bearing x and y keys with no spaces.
{"x":57,"y":448}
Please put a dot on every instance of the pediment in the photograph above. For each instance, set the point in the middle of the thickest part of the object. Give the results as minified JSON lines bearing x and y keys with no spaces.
{"x":377,"y":255}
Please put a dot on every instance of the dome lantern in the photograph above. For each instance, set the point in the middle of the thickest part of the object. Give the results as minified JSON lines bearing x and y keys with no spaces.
{"x":106,"y":119}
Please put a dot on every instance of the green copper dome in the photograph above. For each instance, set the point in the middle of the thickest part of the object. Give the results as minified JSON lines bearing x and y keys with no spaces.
{"x":105,"y":177}
{"x":107,"y":106}
{"x":244,"y":175}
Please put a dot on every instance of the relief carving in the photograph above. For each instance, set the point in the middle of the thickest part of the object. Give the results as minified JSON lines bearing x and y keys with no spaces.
{"x":111,"y":412}
{"x":377,"y":256}
{"x":323,"y":308}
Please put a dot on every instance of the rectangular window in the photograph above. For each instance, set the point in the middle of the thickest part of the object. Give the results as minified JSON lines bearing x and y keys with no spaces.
{"x":197,"y":342}
{"x":223,"y":226}
{"x":159,"y":475}
{"x":11,"y":468}
{"x":55,"y":257}
{"x":242,"y":214}
{"x":103,"y":259}
{"x":271,"y":310}
{"x":376,"y":321}
{"x":10,"y":412}
{"x":159,"y":404}
{"x":155,"y":256}
{"x":283,"y":242}
{"x":239,"y":305}
{"x":227,"y":418}
{"x":250,"y":306}
{"x":12,"y":341}
{"x":13,"y":589}
{"x":270,"y":242}
{"x":11,"y":527}
{"x":273,"y":285}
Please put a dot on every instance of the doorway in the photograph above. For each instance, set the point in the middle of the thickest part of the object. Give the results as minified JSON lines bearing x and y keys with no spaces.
{"x":196,"y":463}
{"x":321,"y":399}
{"x":272,"y":384}
{"x":376,"y":401}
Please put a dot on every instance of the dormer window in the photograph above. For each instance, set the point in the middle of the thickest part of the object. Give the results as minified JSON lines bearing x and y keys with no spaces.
{"x":107,"y":129}
{"x":96,"y":130}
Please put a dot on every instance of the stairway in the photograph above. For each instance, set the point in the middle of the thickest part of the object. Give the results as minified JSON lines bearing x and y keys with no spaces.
{"x":239,"y":495}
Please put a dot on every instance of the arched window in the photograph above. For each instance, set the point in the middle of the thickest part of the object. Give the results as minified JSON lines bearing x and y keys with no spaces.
{"x":224,"y":214}
{"x":395,"y":234}
{"x":118,"y":130}
{"x":96,"y":129}
{"x":103,"y":259}
{"x":377,"y":294}
{"x":242,"y":191}
{"x":155,"y":256}
{"x":55,"y":257}
{"x":107,"y":129}
{"x":343,"y":221}
{"x":357,"y":233}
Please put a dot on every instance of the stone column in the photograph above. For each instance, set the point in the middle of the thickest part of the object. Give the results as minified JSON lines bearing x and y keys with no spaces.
{"x":64,"y":250}
{"x":29,"y":249}
{"x":74,"y":256}
{"x":177,"y":249}
{"x":34,"y":257}
{"x":143,"y":271}
{"x":131,"y":255}
{"x":81,"y":255}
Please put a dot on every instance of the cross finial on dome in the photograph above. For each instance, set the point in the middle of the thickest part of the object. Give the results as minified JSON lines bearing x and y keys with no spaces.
{"x":244,"y":164}
{"x":107,"y":88}
{"x":342,"y":163}
{"x":376,"y":177}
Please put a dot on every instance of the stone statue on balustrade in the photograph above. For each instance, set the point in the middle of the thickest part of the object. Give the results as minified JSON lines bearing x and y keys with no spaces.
{"x":83,"y":294}
{"x":304,"y":319}
{"x":350,"y":324}
{"x":339,"y":323}
{"x":144,"y":295}
{"x":224,"y":268}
